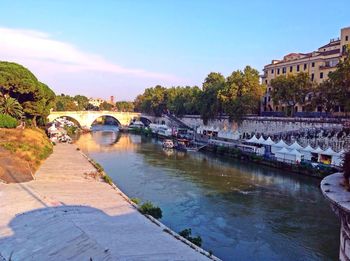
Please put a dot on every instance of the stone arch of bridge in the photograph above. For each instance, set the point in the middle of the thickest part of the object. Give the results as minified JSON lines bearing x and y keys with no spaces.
{"x":76,"y":119}
{"x":104,"y":115}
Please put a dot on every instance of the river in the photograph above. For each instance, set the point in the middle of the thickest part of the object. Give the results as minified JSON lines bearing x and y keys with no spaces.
{"x":241,"y":210}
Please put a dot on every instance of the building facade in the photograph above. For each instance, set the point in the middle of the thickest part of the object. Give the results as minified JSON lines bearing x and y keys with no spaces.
{"x":317,"y":64}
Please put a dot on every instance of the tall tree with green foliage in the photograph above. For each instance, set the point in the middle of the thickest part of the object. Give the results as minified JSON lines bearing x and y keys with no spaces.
{"x":19,"y":83}
{"x":340,"y":78}
{"x":242,"y":93}
{"x":210,"y":104}
{"x":105,"y":106}
{"x":125,"y":106}
{"x":291,"y":90}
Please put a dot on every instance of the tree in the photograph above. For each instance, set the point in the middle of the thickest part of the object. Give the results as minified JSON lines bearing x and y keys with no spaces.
{"x":10,"y":106}
{"x":327,"y":95}
{"x":340,"y":78}
{"x":242,"y":93}
{"x":152,"y":101}
{"x":291,"y":89}
{"x":125,"y":106}
{"x":19,"y":83}
{"x":82,"y":101}
{"x":210,"y":105}
{"x":105,"y":106}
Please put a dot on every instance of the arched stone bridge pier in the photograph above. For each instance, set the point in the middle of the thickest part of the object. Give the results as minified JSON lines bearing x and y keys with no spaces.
{"x":86,"y":118}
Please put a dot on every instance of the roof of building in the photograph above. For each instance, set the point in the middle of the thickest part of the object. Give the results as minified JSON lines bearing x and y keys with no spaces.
{"x":331,"y":43}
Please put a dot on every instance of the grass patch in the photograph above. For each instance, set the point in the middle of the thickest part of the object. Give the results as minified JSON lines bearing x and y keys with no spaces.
{"x":137,"y":201}
{"x":30,"y":145}
{"x":107,"y":179}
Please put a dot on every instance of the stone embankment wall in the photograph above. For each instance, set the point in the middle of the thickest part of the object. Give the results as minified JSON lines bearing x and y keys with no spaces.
{"x":266,"y":125}
{"x":314,"y":131}
{"x":339,"y":201}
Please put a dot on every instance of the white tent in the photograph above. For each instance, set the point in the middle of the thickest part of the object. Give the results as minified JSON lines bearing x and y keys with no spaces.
{"x":291,"y":156}
{"x":307,"y":152}
{"x":308,"y":148}
{"x":295,"y":146}
{"x":329,"y":152}
{"x":297,"y":154}
{"x":261,"y":140}
{"x":268,"y":142}
{"x":318,"y":150}
{"x":276,"y":147}
{"x":337,"y":159}
{"x":252,"y":140}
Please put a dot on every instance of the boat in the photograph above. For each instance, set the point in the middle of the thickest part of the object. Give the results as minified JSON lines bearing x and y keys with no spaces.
{"x":136,"y":126}
{"x":168,"y":144}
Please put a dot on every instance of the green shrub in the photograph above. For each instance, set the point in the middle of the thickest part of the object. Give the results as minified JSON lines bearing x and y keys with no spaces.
{"x":135,"y":200}
{"x":6,"y":121}
{"x":186,"y":233}
{"x":107,"y":179}
{"x":149,"y":209}
{"x":99,"y":167}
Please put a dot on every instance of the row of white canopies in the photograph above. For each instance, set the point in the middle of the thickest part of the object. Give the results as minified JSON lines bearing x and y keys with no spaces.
{"x":295,"y":145}
{"x":228,"y":134}
{"x":296,"y":152}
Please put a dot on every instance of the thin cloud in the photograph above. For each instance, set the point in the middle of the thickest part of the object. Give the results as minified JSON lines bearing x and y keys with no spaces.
{"x":40,"y":52}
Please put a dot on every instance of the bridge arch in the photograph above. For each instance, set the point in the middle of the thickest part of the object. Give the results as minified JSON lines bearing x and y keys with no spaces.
{"x":69,"y":117}
{"x":105,"y":115}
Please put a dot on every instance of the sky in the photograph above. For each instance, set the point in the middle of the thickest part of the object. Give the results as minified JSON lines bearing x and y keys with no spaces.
{"x":120,"y":47}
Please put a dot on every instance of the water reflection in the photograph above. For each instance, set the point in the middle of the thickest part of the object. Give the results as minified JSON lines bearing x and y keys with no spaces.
{"x":242,"y":211}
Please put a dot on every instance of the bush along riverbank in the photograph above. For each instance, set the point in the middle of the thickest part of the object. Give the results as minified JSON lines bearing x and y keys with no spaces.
{"x":302,"y":168}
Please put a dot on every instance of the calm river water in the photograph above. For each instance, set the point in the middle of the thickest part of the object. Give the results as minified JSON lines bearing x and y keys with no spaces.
{"x":242,"y":211}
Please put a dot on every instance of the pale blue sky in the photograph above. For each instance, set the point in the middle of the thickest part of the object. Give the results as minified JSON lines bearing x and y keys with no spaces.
{"x":102,"y":48}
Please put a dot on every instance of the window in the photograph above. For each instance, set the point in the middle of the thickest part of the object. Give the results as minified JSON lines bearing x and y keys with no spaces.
{"x":272,"y":71}
{"x":312,"y":64}
{"x":319,"y":109}
{"x":291,"y":69}
{"x":269,"y":89}
{"x":269,"y":99}
{"x":265,"y":81}
{"x":302,"y":108}
{"x":278,"y":71}
{"x":284,"y":70}
{"x":321,"y":75}
{"x":276,"y":109}
{"x":265,"y":100}
{"x":312,"y":77}
{"x":298,"y":68}
{"x":305,"y":66}
{"x":296,"y":108}
{"x":346,"y":38}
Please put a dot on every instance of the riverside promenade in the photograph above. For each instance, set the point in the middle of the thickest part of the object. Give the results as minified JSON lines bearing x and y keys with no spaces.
{"x":68,"y":214}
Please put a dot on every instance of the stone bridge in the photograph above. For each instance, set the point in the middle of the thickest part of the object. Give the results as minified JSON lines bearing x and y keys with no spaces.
{"x":86,"y":118}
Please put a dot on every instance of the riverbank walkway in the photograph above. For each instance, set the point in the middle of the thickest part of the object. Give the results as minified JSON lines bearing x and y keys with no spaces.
{"x":67,"y":214}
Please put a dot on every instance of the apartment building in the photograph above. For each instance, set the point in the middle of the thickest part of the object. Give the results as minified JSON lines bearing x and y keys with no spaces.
{"x":317,"y":64}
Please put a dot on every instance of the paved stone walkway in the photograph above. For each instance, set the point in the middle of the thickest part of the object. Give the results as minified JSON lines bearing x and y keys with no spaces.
{"x":66,"y":215}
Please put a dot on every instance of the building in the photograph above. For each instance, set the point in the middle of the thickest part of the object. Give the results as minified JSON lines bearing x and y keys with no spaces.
{"x":111,"y":100}
{"x":96,"y":101}
{"x":317,"y":64}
